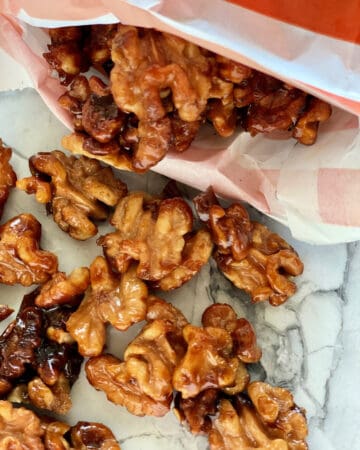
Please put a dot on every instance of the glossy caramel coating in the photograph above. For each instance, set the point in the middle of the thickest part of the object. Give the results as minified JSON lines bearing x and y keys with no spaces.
{"x":150,"y":231}
{"x":79,"y":191}
{"x":22,"y":429}
{"x":120,"y":301}
{"x":21,"y":259}
{"x":268,"y":418}
{"x":248,"y":253}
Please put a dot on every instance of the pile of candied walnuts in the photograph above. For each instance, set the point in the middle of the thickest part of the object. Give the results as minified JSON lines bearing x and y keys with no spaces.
{"x":200,"y":371}
{"x":161,"y":89}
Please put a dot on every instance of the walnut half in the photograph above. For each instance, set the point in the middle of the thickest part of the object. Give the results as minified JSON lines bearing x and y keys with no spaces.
{"x":120,"y":301}
{"x":80,"y":190}
{"x":22,"y":429}
{"x":216,"y":354}
{"x":21,"y":258}
{"x":267,"y":419}
{"x":143,"y":381}
{"x":156,"y":233}
{"x":248,"y":253}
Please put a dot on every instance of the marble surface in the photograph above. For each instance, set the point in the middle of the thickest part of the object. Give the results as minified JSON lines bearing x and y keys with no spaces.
{"x":311,"y":345}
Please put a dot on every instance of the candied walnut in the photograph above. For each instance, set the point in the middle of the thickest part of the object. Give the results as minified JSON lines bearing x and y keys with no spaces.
{"x":159,"y":309}
{"x":81,"y":189}
{"x":54,"y":435}
{"x":19,"y":428}
{"x":93,"y":435}
{"x":148,"y":65}
{"x":248,"y":253}
{"x":5,"y":312}
{"x":155,"y":62}
{"x":7,"y":175}
{"x":22,"y":429}
{"x":242,"y":333}
{"x":196,"y":253}
{"x":112,"y":154}
{"x":93,"y":109}
{"x":278,"y":110}
{"x":216,"y":354}
{"x":208,"y":363}
{"x":26,"y":350}
{"x":101,"y":118}
{"x":120,"y":302}
{"x":223,"y":117}
{"x":267,"y":419}
{"x":54,"y":398}
{"x":65,"y":53}
{"x":84,"y":435}
{"x":231,"y":431}
{"x":197,"y":411}
{"x":21,"y":259}
{"x":282,"y":417}
{"x":128,"y":383}
{"x":143,"y":381}
{"x":19,"y":342}
{"x":150,"y":231}
{"x":306,"y":128}
{"x":62,"y":289}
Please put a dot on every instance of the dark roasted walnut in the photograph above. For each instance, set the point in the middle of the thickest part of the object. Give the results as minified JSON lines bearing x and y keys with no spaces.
{"x":62,"y":289}
{"x":267,"y":419}
{"x":19,"y":342}
{"x":79,"y":191}
{"x":21,"y":429}
{"x":110,"y":299}
{"x":33,"y":367}
{"x":21,"y":258}
{"x":248,"y":253}
{"x":143,"y":381}
{"x":7,"y":175}
{"x":154,"y":232}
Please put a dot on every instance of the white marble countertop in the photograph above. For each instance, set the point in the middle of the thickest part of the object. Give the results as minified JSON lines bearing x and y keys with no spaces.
{"x":311,"y":345}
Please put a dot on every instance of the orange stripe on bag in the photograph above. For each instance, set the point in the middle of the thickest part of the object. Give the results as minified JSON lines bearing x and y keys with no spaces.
{"x":336,"y":18}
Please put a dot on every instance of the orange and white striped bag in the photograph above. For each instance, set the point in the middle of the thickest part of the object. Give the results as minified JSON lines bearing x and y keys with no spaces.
{"x":310,"y":44}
